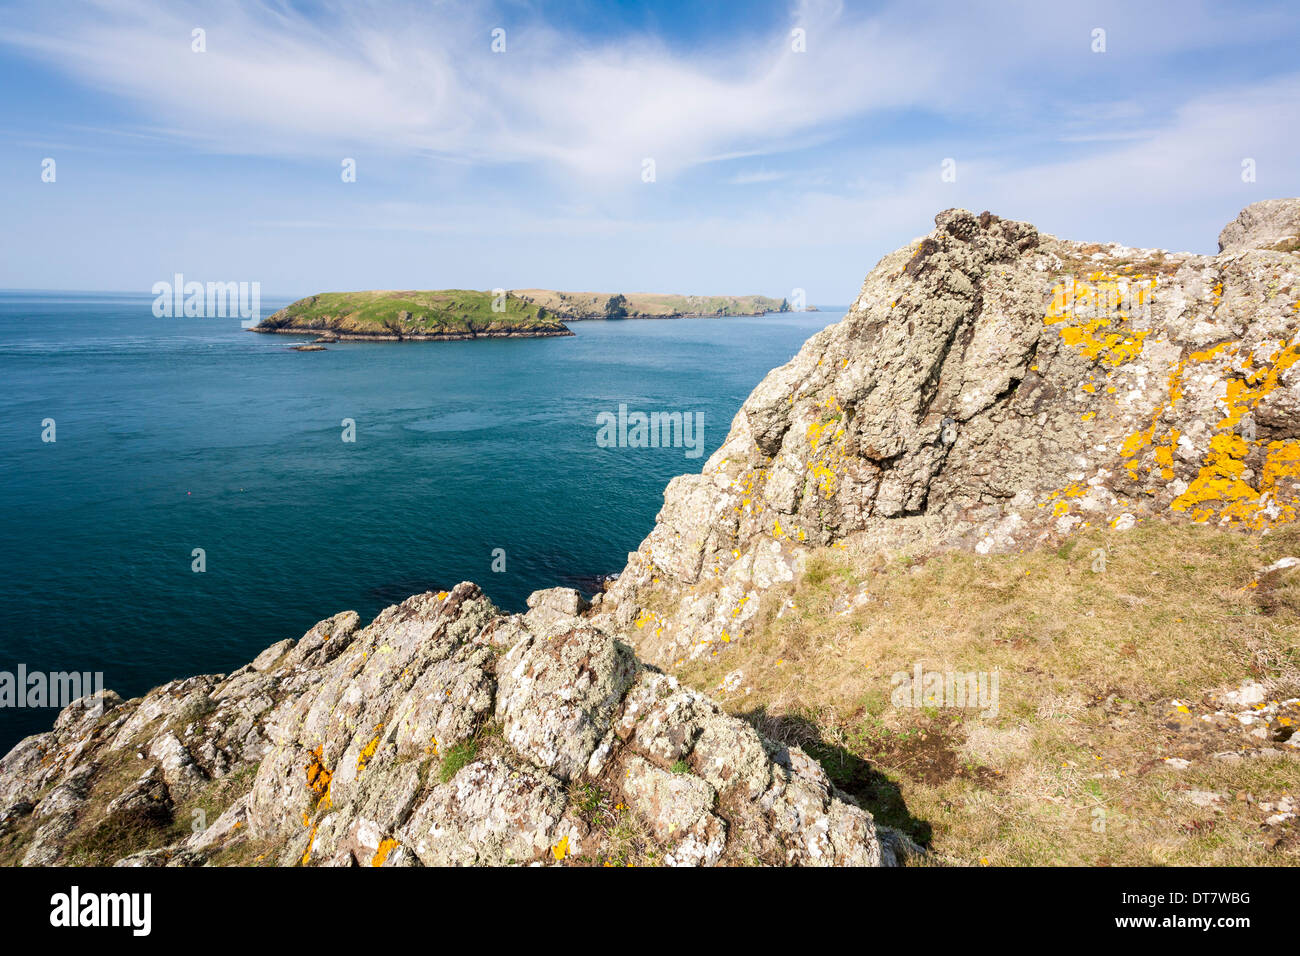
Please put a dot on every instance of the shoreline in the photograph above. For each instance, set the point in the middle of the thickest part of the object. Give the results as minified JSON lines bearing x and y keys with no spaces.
{"x":437,"y":337}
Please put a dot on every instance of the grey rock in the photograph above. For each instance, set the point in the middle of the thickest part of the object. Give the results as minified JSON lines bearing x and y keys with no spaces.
{"x":1263,"y":225}
{"x":991,"y":388}
{"x":557,"y":696}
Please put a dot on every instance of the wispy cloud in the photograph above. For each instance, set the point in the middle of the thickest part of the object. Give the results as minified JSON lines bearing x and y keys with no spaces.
{"x":276,"y":81}
{"x":751,"y":177}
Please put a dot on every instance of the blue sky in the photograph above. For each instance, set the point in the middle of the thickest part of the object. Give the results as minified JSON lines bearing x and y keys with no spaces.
{"x":774,"y":169}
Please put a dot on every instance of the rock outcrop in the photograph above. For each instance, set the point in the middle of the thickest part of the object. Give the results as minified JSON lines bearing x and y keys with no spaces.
{"x":443,"y":733}
{"x":1272,"y":224}
{"x":992,"y":387}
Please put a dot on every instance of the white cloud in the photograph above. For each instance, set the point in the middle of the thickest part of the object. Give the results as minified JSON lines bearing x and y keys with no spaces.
{"x":1115,"y":146}
{"x":423,"y":79}
{"x":752,"y":177}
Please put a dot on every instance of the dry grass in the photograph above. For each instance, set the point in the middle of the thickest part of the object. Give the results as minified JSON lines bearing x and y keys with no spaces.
{"x":1071,"y":768}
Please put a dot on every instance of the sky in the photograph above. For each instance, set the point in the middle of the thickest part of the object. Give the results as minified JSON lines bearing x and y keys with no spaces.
{"x":792,"y":144}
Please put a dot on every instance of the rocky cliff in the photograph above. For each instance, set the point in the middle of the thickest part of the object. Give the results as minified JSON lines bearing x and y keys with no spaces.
{"x":991,"y":388}
{"x":443,"y":733}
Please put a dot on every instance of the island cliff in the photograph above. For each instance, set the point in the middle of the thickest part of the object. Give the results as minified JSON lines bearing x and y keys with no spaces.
{"x":992,"y":391}
{"x":578,"y":306}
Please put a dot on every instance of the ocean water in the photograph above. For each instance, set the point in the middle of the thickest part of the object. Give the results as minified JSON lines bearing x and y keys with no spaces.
{"x":177,"y":434}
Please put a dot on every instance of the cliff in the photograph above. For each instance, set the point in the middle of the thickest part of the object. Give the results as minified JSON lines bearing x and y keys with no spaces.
{"x":994,"y":388}
{"x":442,"y":733}
{"x":576,"y":306}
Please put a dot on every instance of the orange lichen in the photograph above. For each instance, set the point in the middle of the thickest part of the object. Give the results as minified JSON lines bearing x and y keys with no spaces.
{"x":826,"y":439}
{"x":311,"y":841}
{"x":1095,"y":316}
{"x":318,"y":780}
{"x":381,"y":854}
{"x":1245,"y":393}
{"x":1222,"y":487}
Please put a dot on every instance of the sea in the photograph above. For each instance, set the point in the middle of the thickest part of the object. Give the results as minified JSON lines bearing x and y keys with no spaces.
{"x":177,"y":494}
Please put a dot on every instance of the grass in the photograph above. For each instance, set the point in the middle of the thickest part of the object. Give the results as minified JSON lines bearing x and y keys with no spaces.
{"x":1071,"y":767}
{"x":98,"y":840}
{"x":457,"y":756}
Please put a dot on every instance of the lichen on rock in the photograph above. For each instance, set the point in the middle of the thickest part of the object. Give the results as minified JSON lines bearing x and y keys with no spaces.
{"x":444,"y":733}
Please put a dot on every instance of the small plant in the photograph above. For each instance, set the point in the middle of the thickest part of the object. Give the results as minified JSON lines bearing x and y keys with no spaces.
{"x":681,"y":767}
{"x":456,"y":758}
{"x":587,"y":799}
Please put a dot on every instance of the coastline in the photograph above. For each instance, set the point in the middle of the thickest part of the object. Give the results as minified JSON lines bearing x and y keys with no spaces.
{"x":673,"y":315}
{"x":436,"y":337}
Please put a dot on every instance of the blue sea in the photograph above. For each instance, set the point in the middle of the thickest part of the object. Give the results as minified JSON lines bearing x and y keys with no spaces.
{"x":179,"y":434}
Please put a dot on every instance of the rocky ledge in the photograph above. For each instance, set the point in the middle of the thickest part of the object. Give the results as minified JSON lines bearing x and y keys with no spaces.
{"x":443,"y":733}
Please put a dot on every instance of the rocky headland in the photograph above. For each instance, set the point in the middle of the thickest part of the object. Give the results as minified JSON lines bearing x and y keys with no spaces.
{"x":995,"y":394}
{"x":992,"y":388}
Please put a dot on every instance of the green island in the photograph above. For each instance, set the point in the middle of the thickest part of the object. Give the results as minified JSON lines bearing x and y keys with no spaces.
{"x":398,"y":316}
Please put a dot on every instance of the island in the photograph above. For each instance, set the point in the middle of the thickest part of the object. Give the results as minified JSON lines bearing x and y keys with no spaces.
{"x":407,"y":316}
{"x":442,"y":314}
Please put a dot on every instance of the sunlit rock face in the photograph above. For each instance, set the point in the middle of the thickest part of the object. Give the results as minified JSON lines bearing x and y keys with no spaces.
{"x":444,"y":733}
{"x":993,"y":387}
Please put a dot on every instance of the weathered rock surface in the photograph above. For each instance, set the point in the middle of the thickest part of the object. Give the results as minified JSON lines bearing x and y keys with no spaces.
{"x":993,"y":387}
{"x":444,"y":733}
{"x":1271,"y":224}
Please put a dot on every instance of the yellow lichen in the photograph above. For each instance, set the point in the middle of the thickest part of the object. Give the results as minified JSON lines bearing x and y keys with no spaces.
{"x":561,"y":849}
{"x":1222,"y":488}
{"x":368,"y":751}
